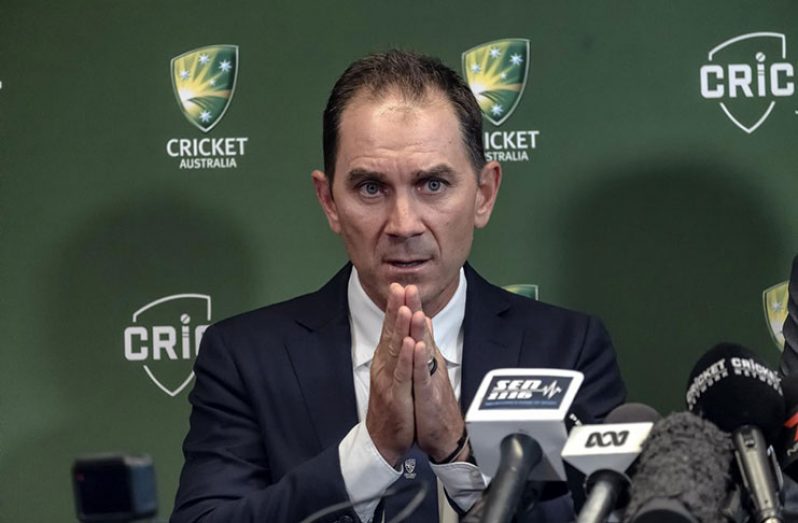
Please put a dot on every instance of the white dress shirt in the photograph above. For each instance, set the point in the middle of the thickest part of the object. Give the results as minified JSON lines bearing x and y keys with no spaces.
{"x":363,"y":468}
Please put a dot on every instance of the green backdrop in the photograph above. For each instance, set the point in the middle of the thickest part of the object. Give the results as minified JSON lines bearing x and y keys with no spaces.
{"x":642,"y":200}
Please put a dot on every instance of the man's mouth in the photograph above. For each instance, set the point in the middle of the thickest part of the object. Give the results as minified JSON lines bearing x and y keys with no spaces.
{"x":406,"y":264}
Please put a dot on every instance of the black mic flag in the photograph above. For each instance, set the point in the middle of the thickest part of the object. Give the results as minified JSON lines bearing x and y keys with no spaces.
{"x":734,"y":389}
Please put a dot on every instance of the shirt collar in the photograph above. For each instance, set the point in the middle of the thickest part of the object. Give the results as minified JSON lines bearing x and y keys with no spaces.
{"x":366,"y":323}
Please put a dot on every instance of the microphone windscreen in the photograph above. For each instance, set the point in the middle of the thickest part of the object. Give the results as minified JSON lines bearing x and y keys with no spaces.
{"x":633,"y":413}
{"x":686,"y":459}
{"x":732,"y":387}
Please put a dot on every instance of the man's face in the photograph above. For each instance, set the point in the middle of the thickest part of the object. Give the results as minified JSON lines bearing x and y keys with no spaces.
{"x":405,"y":197}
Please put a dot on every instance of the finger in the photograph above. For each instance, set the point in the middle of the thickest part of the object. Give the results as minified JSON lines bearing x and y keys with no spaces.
{"x":435,"y":352}
{"x":421,"y":376}
{"x":392,"y":306}
{"x":421,"y":330}
{"x":412,"y":298}
{"x":401,"y":330}
{"x":396,"y":298}
{"x":404,"y":372}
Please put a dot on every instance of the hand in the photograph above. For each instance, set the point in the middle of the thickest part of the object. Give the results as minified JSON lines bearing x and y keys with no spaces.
{"x":439,"y":422}
{"x":389,"y":418}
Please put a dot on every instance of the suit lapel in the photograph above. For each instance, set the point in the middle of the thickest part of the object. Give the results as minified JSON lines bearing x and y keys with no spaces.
{"x":489,"y":341}
{"x":323,"y":361}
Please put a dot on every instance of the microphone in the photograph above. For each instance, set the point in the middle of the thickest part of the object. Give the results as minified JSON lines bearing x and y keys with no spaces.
{"x":516,"y":425}
{"x":683,"y":473}
{"x":604,"y":453}
{"x":788,"y":455}
{"x":734,"y":389}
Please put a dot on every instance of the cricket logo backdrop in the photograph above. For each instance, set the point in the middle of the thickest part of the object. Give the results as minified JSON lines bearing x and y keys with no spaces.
{"x":746,"y":75}
{"x":204,"y":81}
{"x":497,"y":72}
{"x":164,"y":338}
{"x":774,"y":301}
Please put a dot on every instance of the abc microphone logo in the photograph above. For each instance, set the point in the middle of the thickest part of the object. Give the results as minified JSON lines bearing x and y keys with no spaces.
{"x":609,"y":438}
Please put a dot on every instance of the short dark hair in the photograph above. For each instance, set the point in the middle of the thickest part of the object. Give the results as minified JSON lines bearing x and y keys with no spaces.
{"x":414,"y":75}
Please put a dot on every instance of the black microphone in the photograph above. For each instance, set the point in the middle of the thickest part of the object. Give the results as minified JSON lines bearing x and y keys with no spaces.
{"x":734,"y":389}
{"x":683,"y":473}
{"x":535,"y":491}
{"x":604,"y":453}
{"x":516,"y":424}
{"x":519,"y":454}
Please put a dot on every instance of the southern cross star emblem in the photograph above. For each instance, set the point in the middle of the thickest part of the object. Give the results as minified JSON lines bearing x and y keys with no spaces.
{"x":204,"y":80}
{"x":497,"y":73}
{"x":774,"y":301}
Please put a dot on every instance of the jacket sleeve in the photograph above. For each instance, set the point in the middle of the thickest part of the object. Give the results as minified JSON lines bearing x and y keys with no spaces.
{"x":227,"y":476}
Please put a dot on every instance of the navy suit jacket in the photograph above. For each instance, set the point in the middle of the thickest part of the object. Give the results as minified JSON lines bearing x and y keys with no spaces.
{"x":274,"y":395}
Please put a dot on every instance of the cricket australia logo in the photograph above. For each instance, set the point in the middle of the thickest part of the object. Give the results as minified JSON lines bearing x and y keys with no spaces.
{"x":410,"y":468}
{"x":204,"y":81}
{"x":747,"y":74}
{"x":774,"y":301}
{"x":497,"y":74}
{"x":164,"y":337}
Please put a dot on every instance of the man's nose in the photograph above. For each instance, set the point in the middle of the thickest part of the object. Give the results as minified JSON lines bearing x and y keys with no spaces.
{"x":404,"y":220}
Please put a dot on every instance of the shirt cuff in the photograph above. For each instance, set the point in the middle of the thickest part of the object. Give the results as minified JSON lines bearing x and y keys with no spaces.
{"x":463,"y":482}
{"x":366,"y":473}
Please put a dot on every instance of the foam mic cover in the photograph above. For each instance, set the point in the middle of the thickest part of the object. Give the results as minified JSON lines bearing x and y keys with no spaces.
{"x":683,"y":472}
{"x":732,"y":387}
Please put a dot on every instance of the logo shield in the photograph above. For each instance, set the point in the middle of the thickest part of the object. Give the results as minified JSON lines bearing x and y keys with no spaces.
{"x":164,"y":338}
{"x":497,"y":73}
{"x":774,"y":301}
{"x":746,"y":111}
{"x":203,"y":81}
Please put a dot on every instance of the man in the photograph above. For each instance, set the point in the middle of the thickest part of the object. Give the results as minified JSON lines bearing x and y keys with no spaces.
{"x":788,"y":365}
{"x":321,"y":399}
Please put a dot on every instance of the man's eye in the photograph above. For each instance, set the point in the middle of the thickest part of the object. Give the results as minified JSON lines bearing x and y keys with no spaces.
{"x":434,"y":185}
{"x":370,"y":189}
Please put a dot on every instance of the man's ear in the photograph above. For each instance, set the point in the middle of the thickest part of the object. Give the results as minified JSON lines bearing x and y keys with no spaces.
{"x":323,"y":188}
{"x":488,"y":182}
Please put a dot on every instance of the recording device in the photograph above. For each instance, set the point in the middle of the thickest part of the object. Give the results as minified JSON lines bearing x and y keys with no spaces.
{"x":604,"y":453}
{"x":734,"y":389}
{"x":516,"y":424}
{"x":114,"y":487}
{"x":683,"y":474}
